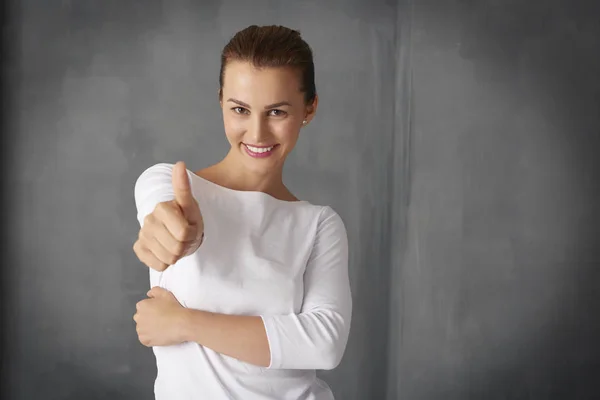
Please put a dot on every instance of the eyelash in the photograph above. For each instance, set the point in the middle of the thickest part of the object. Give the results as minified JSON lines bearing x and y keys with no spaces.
{"x":281,"y":112}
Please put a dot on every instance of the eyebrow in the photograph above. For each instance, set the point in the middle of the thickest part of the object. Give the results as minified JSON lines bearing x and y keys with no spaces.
{"x":241,"y":103}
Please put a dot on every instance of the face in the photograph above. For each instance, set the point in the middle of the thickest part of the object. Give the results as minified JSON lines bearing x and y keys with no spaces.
{"x":263,"y":110}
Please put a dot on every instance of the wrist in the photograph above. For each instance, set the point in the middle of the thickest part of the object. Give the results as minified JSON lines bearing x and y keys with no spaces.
{"x":191,"y":322}
{"x":184,"y":322}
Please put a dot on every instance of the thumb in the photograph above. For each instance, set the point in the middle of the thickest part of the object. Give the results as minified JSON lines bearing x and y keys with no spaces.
{"x":183,"y":193}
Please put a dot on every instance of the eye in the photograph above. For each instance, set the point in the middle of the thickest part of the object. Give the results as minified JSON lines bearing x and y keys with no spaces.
{"x":239,"y":110}
{"x":278,"y":113}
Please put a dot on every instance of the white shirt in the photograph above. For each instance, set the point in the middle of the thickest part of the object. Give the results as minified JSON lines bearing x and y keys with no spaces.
{"x":286,"y":262}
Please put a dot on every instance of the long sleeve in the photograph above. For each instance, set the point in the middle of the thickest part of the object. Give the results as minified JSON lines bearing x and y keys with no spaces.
{"x":153,"y":186}
{"x":316,"y":338}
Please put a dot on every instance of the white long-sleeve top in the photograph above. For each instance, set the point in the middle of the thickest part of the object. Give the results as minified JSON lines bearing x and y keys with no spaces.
{"x":286,"y":262}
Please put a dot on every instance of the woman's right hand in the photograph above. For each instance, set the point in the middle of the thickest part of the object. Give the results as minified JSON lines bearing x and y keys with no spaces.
{"x":175,"y":229}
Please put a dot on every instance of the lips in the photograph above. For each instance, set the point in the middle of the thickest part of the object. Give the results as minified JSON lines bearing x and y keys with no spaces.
{"x":259,"y":151}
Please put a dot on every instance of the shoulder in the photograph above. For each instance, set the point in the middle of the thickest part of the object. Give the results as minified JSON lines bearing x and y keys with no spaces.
{"x":324,"y":216}
{"x":153,"y":186}
{"x":330,"y":244}
{"x":328,"y":215}
{"x":156,"y":170}
{"x":155,"y":176}
{"x":330,"y":225}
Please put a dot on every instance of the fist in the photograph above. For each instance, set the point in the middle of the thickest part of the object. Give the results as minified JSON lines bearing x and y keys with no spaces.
{"x":174,"y":229}
{"x":160,"y":319}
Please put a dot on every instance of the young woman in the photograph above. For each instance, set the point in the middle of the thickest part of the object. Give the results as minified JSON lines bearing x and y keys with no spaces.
{"x":250,"y":291}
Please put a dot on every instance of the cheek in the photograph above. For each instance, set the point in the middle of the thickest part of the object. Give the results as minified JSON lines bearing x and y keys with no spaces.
{"x":285,"y":131}
{"x":233,"y":127}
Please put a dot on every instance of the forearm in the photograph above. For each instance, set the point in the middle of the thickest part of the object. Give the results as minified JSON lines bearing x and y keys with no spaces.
{"x":238,"y":336}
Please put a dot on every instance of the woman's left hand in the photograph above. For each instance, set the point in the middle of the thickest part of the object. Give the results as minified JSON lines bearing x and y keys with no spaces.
{"x":159,"y":319}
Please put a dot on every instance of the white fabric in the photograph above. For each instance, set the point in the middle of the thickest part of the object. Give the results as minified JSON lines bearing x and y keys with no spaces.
{"x":284,"y":261}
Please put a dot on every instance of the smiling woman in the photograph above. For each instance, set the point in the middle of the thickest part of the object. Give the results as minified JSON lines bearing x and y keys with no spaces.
{"x":250,"y":291}
{"x":267,"y":93}
{"x":255,"y":121}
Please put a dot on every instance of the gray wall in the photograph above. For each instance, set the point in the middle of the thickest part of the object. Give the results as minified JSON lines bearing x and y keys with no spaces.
{"x":457,"y":139}
{"x":107,"y":89}
{"x":495,"y":284}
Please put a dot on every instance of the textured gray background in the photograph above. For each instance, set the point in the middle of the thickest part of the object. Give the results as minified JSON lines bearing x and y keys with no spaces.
{"x":457,"y":139}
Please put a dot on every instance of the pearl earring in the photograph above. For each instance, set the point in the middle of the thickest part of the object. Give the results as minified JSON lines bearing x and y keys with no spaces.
{"x":304,"y":122}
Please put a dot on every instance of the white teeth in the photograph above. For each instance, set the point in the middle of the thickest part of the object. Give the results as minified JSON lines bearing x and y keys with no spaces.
{"x":259,"y":149}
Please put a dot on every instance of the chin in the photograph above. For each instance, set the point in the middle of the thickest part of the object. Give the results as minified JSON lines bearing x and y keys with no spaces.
{"x":261,"y":165}
{"x":259,"y":170}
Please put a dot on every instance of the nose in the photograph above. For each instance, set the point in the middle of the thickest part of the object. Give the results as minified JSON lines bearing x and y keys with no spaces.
{"x":259,"y":131}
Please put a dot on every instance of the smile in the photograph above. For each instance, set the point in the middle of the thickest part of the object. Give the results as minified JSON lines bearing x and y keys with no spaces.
{"x":259,"y":152}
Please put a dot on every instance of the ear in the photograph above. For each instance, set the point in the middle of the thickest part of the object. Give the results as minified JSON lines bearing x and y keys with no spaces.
{"x":311,"y":109}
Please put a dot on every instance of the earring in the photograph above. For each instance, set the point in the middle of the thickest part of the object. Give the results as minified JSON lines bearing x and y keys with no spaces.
{"x":304,"y":122}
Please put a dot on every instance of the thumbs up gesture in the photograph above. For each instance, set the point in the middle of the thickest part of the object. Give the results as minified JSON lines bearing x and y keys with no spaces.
{"x":174,"y":229}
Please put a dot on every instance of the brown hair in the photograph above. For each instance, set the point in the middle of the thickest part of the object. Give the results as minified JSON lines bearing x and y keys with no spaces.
{"x":272,"y":46}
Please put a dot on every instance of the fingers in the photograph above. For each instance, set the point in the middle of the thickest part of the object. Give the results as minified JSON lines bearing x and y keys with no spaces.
{"x":169,"y":215}
{"x":183,"y":194}
{"x":174,"y":229}
{"x":167,"y":241}
{"x":157,"y":291}
{"x":148,"y":240}
{"x":148,"y":258}
{"x":160,"y":252}
{"x":155,"y":237}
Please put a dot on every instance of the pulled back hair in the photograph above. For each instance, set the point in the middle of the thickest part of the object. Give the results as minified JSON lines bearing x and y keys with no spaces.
{"x":272,"y":46}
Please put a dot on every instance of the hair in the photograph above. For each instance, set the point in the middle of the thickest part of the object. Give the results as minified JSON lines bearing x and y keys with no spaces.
{"x":272,"y":46}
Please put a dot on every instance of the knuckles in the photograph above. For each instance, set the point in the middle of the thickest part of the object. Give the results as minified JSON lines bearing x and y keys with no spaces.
{"x":139,"y":305}
{"x":149,"y":219}
{"x":144,"y":340}
{"x":179,"y":249}
{"x":145,"y":246}
{"x":184,"y":232}
{"x":162,"y":207}
{"x":173,"y":259}
{"x":156,"y":265}
{"x":161,"y":267}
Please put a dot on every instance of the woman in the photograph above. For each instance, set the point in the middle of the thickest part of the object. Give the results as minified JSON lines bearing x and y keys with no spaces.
{"x":250,"y":292}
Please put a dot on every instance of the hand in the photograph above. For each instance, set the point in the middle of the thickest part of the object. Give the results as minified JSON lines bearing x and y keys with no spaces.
{"x":174,"y":229}
{"x":159,"y":319}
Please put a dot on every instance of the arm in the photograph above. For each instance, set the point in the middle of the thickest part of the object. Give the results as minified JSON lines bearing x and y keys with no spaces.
{"x":238,"y":336}
{"x":153,"y":186}
{"x":175,"y":228}
{"x":313,"y":339}
{"x":317,"y":337}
